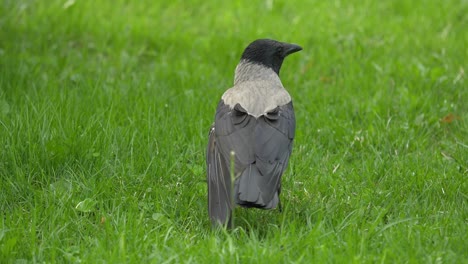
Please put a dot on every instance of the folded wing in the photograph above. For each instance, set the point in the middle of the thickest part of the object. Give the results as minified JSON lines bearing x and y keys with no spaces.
{"x":262,"y":147}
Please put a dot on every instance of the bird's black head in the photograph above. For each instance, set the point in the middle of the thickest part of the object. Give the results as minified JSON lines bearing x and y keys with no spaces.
{"x":269,"y":53}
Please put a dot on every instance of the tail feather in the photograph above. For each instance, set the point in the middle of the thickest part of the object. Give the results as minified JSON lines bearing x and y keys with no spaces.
{"x":251,"y":190}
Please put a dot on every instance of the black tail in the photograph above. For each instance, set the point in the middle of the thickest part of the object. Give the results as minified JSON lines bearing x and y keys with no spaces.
{"x":252,"y":189}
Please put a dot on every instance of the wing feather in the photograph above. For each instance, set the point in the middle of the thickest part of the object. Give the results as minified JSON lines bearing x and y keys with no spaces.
{"x":262,"y":147}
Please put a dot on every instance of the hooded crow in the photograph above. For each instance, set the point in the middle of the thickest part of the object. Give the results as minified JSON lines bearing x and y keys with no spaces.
{"x":252,"y":136}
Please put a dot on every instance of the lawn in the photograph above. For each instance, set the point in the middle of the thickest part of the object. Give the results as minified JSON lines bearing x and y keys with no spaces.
{"x":105,"y":108}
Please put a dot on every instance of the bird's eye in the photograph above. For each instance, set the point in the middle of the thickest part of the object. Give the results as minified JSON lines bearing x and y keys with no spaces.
{"x":279,"y":49}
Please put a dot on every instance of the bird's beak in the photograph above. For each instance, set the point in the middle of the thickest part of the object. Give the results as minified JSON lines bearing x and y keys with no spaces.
{"x":291,"y":48}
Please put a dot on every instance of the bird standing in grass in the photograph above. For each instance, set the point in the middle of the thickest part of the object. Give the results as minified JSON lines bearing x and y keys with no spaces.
{"x":252,"y":136}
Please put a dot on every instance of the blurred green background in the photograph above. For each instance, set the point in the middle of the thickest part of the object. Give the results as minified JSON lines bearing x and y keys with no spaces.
{"x":105,"y":108}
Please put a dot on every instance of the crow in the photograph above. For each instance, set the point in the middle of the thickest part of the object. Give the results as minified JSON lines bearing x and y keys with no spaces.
{"x":252,"y":136}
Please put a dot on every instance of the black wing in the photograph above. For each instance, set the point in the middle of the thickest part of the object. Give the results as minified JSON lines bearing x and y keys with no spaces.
{"x":219,"y":184}
{"x":262,"y":147}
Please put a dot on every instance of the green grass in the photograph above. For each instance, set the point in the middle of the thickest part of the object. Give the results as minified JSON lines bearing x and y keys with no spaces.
{"x":105,"y":108}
